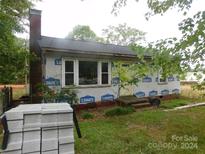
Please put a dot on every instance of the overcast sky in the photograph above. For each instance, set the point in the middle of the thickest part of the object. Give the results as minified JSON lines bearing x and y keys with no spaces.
{"x":60,"y":16}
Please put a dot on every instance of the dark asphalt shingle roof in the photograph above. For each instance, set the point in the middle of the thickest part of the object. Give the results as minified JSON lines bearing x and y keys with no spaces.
{"x":85,"y":46}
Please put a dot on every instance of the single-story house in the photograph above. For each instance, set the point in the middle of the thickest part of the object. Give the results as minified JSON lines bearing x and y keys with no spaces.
{"x":87,"y":65}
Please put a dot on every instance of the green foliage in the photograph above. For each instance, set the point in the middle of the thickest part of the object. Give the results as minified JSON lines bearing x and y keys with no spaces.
{"x":165,"y":60}
{"x":87,"y":115}
{"x":13,"y":51}
{"x":123,"y":35}
{"x":13,"y":62}
{"x":12,"y":17}
{"x":45,"y":92}
{"x":158,"y":58}
{"x":157,"y":6}
{"x":119,"y":111}
{"x":200,"y":87}
{"x":49,"y":95}
{"x":190,"y":47}
{"x":82,"y":32}
{"x":67,"y":94}
{"x":192,"y":41}
{"x":128,"y":74}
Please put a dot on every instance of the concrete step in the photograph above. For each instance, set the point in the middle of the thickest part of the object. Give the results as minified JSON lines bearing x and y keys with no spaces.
{"x":129,"y":100}
{"x":141,"y":105}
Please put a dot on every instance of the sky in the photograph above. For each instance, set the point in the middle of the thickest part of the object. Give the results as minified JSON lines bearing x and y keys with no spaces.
{"x":60,"y":16}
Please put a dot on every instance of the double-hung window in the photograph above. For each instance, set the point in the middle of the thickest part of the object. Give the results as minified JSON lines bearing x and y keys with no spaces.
{"x":69,"y":73}
{"x":85,"y":72}
{"x":104,"y":73}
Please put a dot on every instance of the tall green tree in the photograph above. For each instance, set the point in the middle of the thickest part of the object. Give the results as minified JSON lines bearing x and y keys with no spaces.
{"x":128,"y":72}
{"x":13,"y":51}
{"x":83,"y":32}
{"x":14,"y":63}
{"x":156,"y":57}
{"x":191,"y":45}
{"x":123,"y":35}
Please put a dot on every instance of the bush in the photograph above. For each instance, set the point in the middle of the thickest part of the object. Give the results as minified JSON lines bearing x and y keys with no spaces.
{"x":119,"y":111}
{"x":49,"y":94}
{"x":87,"y":115}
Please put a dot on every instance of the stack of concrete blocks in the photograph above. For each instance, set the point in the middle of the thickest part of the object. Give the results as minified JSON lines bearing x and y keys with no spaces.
{"x":40,"y":129}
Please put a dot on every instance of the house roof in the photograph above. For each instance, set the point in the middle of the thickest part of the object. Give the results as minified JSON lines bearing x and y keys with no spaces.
{"x":78,"y":46}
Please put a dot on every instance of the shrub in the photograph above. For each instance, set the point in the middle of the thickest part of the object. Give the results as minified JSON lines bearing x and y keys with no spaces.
{"x":87,"y":115}
{"x":49,"y":94}
{"x":119,"y":111}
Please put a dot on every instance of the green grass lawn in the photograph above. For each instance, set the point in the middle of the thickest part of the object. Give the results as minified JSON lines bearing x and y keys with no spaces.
{"x":170,"y":104}
{"x":146,"y":131}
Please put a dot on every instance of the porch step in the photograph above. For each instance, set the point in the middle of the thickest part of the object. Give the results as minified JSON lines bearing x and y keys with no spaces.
{"x":132,"y":100}
{"x":141,"y":105}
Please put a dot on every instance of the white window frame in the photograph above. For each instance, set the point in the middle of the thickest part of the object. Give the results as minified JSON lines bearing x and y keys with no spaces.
{"x":109,"y":72}
{"x":76,"y":72}
{"x":63,"y":71}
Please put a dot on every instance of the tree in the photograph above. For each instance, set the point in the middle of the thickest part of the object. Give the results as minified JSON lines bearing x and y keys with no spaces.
{"x":123,"y":35}
{"x":165,"y":61}
{"x":82,"y":32}
{"x":13,"y":15}
{"x":128,"y":73}
{"x":13,"y":62}
{"x":156,"y":6}
{"x":191,"y":45}
{"x":161,"y":56}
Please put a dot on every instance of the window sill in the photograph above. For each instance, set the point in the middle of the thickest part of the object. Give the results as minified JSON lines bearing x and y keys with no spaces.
{"x":90,"y":86}
{"x":93,"y":86}
{"x":162,"y":83}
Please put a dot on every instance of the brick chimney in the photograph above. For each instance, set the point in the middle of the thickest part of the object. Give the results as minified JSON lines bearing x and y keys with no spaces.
{"x":35,"y":75}
{"x":35,"y":26}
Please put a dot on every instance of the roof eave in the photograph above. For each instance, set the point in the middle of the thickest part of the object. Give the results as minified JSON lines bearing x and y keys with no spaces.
{"x":48,"y":49}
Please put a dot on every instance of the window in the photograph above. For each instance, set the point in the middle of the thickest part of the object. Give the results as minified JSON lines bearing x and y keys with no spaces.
{"x":104,"y":73}
{"x":87,"y":72}
{"x":69,"y":73}
{"x":160,"y":78}
{"x":125,"y":65}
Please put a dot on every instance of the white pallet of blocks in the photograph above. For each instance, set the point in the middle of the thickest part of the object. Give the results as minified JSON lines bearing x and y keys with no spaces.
{"x":40,"y":129}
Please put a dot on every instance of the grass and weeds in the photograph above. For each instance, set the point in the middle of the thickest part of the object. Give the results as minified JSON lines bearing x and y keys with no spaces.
{"x":170,"y":104}
{"x":17,"y":93}
{"x":188,"y":91}
{"x":119,"y":111}
{"x":145,"y":131}
{"x":87,"y":115}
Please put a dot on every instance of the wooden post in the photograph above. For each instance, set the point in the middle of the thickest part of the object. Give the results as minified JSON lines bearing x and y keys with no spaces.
{"x":75,"y":120}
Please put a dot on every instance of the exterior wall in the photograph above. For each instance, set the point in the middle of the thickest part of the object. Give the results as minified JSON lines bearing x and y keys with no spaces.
{"x":171,"y":86}
{"x":53,"y":70}
{"x":54,"y":78}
